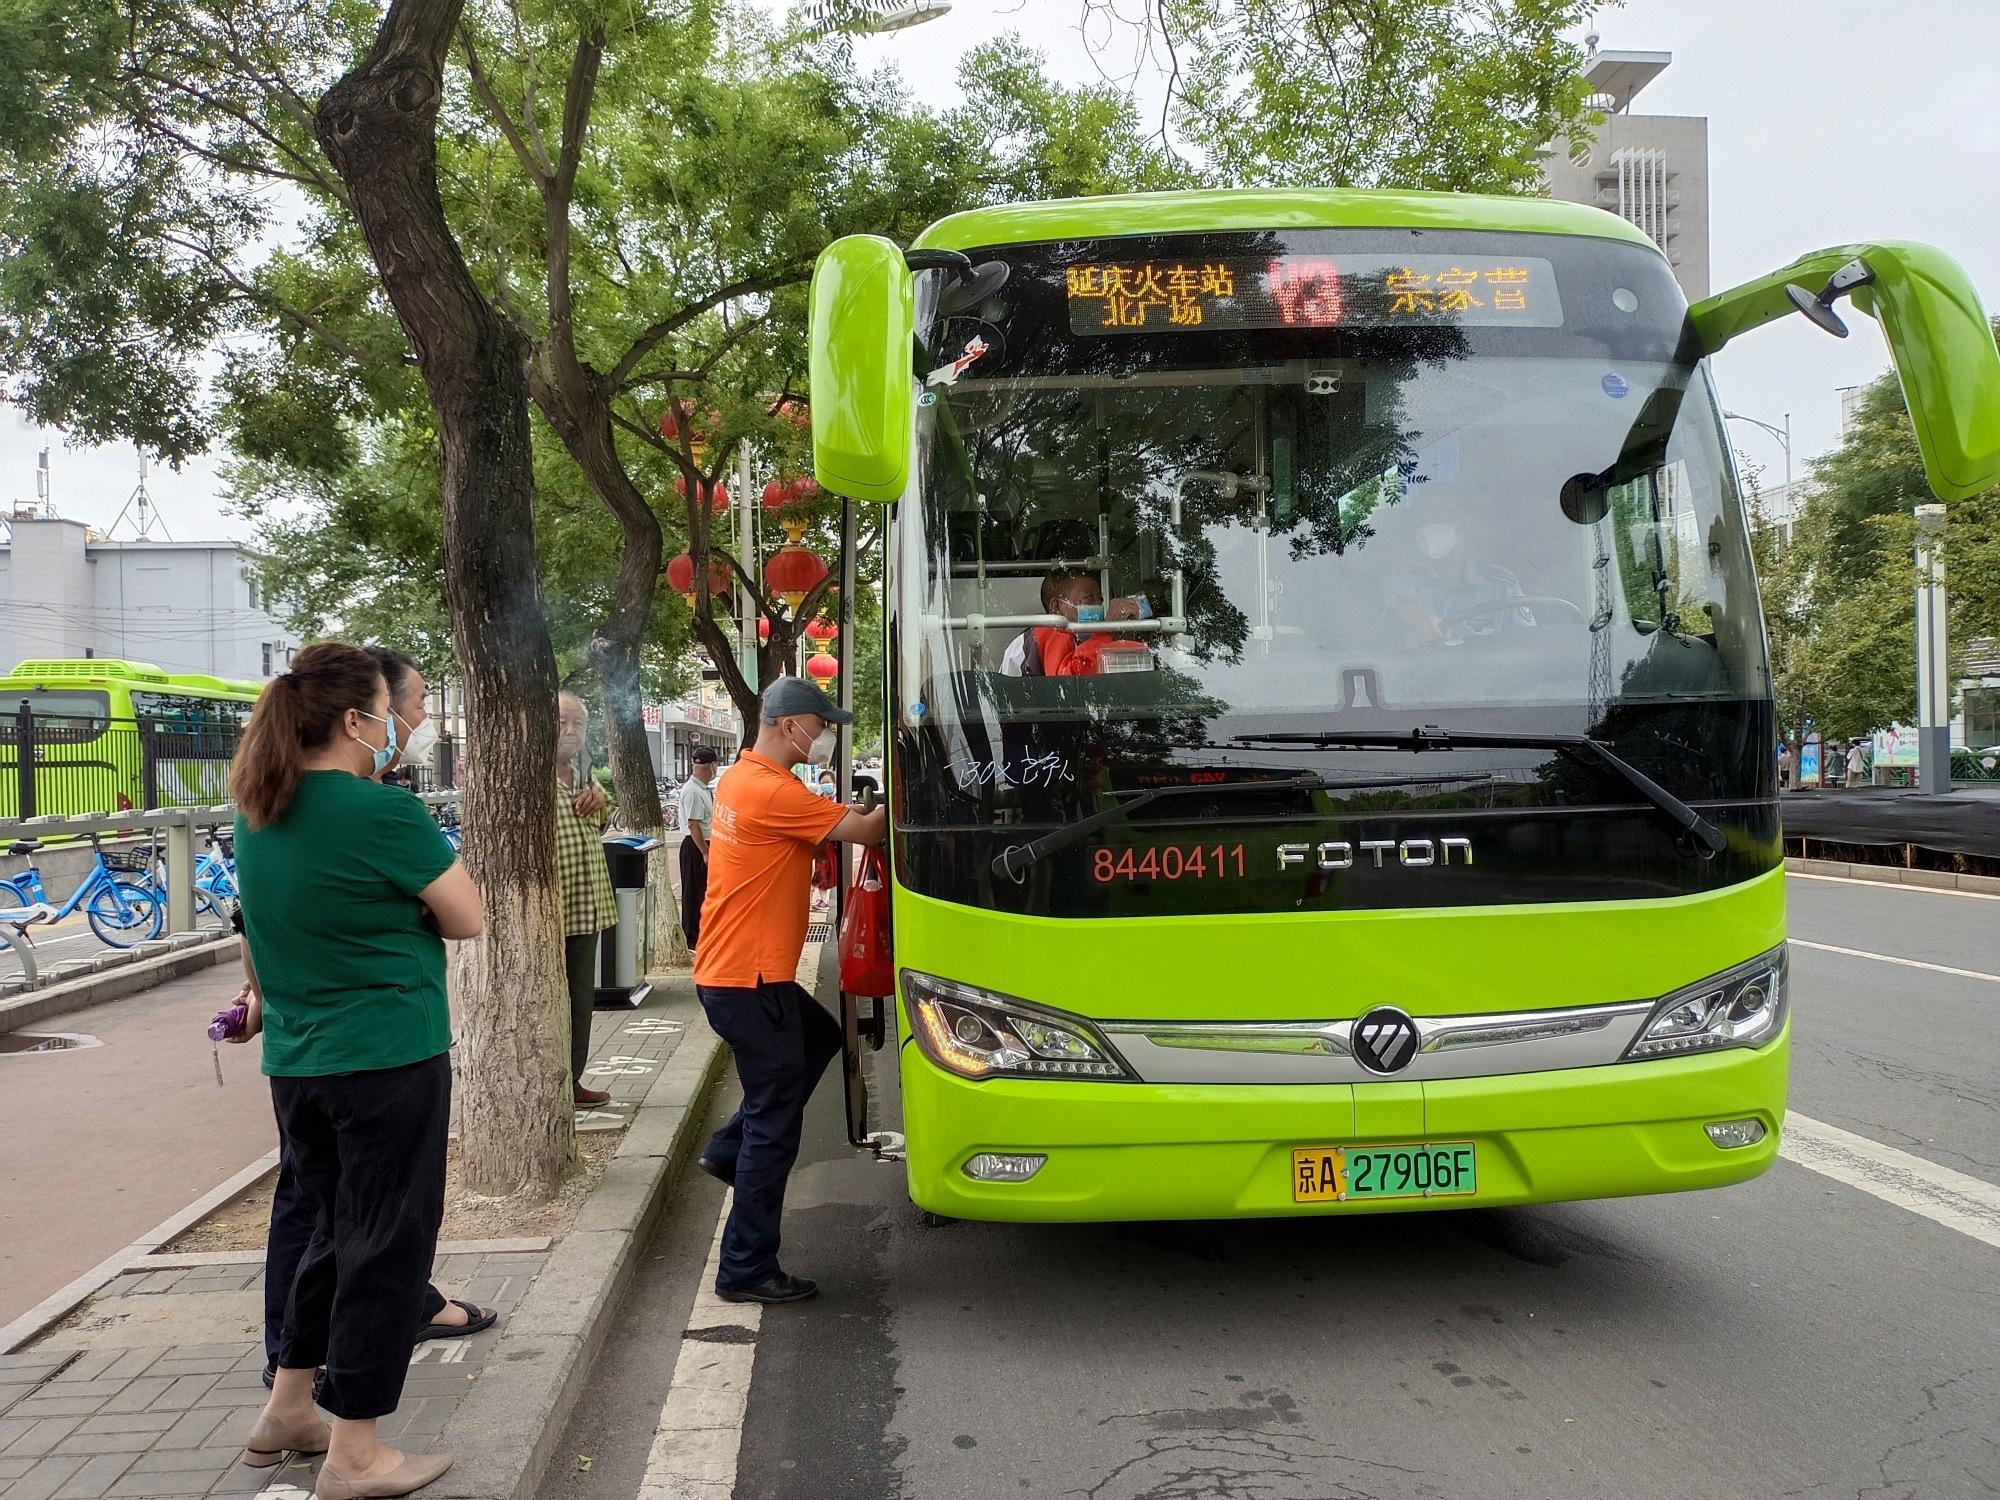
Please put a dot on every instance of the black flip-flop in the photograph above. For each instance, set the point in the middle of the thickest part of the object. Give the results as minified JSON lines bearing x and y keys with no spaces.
{"x":477,"y":1320}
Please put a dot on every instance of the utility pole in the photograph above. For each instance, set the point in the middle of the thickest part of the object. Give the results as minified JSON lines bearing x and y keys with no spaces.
{"x":1933,"y":681}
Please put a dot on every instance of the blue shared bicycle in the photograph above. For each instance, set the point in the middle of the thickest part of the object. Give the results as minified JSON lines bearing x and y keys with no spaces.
{"x":115,"y":895}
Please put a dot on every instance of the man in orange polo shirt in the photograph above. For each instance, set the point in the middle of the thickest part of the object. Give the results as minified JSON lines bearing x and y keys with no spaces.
{"x":753,"y":929}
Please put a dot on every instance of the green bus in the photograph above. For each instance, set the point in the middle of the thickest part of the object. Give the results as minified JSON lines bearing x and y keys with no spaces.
{"x":93,"y":735}
{"x":1413,"y":840}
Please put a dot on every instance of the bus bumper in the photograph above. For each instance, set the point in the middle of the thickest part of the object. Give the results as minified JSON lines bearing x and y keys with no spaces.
{"x":1186,"y":1151}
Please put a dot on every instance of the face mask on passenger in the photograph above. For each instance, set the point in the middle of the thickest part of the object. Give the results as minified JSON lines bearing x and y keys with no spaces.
{"x":417,"y":747}
{"x":386,"y":753}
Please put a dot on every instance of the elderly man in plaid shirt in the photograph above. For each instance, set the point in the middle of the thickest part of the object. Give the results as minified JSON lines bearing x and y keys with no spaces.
{"x":585,"y":882}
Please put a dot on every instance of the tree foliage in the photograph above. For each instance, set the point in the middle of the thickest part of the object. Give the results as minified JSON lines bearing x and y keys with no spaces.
{"x":1839,"y":598}
{"x":1358,"y":93}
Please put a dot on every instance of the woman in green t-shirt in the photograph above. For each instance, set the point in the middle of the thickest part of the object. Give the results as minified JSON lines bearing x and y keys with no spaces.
{"x":348,"y":890}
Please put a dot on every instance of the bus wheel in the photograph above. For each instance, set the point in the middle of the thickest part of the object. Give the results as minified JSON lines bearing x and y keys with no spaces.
{"x":125,"y":914}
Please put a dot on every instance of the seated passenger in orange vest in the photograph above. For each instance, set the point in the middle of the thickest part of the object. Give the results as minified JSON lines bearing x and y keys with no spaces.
{"x":1051,"y":653}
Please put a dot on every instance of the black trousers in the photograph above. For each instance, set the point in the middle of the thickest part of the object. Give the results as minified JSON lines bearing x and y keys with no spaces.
{"x":368,"y":1153}
{"x":783,"y":1039}
{"x":694,"y":889}
{"x":292,"y":1220}
{"x":580,"y":952}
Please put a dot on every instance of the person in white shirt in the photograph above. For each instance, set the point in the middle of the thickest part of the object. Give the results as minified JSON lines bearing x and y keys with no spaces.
{"x":696,"y":805}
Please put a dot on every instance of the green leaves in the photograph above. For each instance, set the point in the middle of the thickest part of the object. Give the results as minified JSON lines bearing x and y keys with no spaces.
{"x":1427,"y":94}
{"x":1839,"y":600}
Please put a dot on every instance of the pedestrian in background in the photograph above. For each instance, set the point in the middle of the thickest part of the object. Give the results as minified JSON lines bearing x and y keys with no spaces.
{"x":767,"y":825}
{"x":1857,"y":764}
{"x":348,"y":892}
{"x":696,"y":810}
{"x":585,"y":882}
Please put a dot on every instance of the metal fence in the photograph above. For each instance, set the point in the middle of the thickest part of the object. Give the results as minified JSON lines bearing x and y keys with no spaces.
{"x":64,"y":765}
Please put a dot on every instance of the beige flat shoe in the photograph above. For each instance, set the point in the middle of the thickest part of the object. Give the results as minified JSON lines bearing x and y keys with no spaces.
{"x":270,"y":1441}
{"x":413,"y":1473}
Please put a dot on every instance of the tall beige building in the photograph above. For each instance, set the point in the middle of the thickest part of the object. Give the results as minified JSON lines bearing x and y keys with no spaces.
{"x":1651,"y":170}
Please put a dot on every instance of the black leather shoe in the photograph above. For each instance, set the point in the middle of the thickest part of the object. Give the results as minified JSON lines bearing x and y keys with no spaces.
{"x":726,"y":1175}
{"x":779,"y":1288}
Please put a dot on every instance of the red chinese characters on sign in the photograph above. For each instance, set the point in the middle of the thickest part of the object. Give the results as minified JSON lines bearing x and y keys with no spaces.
{"x":1307,"y":291}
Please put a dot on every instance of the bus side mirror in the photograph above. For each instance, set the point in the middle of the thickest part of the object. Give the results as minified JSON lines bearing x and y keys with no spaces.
{"x":863,"y":386}
{"x":1938,"y":336}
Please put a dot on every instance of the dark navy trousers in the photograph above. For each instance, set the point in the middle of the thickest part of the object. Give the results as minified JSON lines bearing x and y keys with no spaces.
{"x":782,"y":1039}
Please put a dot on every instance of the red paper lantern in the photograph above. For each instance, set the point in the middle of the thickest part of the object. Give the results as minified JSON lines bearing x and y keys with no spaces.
{"x":680,"y":576}
{"x":805,"y":487}
{"x":823,"y":667}
{"x":777,"y":494}
{"x":822,"y":632}
{"x":764,"y":630}
{"x":718,"y":494}
{"x":793,"y":573}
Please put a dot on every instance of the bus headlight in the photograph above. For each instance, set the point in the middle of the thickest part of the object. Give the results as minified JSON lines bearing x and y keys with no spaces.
{"x":1741,"y":1007}
{"x":976,"y":1033}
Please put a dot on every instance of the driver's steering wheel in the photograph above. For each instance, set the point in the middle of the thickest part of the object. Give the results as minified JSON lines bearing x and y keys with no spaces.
{"x":1517,"y":601}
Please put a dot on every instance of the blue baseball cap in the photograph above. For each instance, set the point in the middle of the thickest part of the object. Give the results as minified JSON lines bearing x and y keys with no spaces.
{"x":794,"y":695}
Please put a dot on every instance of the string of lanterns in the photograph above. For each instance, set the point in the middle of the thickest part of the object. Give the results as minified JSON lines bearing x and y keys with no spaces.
{"x":793,"y":571}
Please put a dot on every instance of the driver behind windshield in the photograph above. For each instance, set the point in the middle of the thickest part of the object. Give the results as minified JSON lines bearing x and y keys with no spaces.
{"x":1439,"y":600}
{"x":1079,"y":597}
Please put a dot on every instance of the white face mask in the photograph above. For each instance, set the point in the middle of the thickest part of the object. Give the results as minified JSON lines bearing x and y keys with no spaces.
{"x":1437,"y":541}
{"x":820,"y":751}
{"x":419,"y":744}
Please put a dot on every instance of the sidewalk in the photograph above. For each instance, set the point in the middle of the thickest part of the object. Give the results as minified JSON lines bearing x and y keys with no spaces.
{"x":149,"y":1389}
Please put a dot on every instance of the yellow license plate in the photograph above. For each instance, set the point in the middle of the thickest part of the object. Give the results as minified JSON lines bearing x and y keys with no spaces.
{"x":1333,"y":1174}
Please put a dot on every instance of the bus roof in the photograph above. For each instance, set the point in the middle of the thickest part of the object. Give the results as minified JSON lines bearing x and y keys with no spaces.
{"x":1268,"y":208}
{"x":102,"y":671}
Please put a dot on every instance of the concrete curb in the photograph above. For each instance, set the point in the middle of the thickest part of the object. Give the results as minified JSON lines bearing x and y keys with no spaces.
{"x":1931,"y":880}
{"x":58,"y":1305}
{"x":114,"y":984}
{"x":506,"y":1429}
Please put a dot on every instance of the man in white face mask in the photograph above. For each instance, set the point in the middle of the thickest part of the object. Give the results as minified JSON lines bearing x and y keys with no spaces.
{"x":1440,"y":600}
{"x":753,"y":930}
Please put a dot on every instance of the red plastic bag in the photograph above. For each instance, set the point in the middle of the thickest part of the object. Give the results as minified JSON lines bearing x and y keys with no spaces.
{"x":826,"y":866}
{"x":867,"y":966}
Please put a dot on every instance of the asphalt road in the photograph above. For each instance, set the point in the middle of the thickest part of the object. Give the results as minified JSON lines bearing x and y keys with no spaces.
{"x":1793,"y":1336}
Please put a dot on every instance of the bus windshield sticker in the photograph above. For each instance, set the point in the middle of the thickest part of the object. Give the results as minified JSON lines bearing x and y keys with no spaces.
{"x":948,"y":374}
{"x":1311,"y":291}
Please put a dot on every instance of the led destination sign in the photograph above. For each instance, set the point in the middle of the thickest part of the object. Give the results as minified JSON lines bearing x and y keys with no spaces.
{"x":1312,"y":291}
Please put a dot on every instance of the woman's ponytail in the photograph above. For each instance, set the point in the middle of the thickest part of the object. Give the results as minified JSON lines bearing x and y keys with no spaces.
{"x":296,"y":713}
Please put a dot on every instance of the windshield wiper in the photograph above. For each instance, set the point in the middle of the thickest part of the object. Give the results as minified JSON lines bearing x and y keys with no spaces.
{"x":1015,"y":861}
{"x":1580,"y":746}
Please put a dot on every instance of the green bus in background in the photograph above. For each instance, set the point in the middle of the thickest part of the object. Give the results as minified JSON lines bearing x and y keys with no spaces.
{"x":109,"y":736}
{"x":1410,"y":837}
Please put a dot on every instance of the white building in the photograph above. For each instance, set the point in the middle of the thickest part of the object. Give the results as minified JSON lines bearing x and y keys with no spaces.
{"x":1650,"y":170}
{"x":182,"y":606}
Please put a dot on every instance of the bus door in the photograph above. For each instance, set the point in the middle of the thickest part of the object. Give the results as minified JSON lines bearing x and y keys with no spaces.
{"x":863,"y":1018}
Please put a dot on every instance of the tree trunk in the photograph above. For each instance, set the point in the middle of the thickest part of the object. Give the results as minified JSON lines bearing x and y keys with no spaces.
{"x":378,"y":126}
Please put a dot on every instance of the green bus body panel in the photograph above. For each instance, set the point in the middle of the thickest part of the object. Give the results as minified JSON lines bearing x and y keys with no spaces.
{"x":1124,"y":1151}
{"x":863,"y":402}
{"x":1937,"y":333}
{"x":1261,"y":208}
{"x":1288,"y":966}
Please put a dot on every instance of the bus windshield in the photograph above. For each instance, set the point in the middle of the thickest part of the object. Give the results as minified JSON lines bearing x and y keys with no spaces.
{"x":1344,"y":479}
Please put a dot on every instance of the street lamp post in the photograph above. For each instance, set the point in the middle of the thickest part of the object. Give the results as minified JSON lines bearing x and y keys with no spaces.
{"x":1933,"y":682}
{"x":1782,"y":434}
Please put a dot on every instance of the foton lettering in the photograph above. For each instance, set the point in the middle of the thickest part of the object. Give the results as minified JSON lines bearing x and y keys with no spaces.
{"x":1412,"y":854}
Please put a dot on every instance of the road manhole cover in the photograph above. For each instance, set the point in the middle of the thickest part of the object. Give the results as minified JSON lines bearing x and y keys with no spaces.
{"x":21,"y":1042}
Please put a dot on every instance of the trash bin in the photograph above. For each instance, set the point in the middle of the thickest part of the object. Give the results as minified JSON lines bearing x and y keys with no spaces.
{"x":624,"y":954}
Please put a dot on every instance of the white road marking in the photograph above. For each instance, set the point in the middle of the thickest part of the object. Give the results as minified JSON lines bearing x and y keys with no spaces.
{"x":1967,"y":1204}
{"x":1890,"y":958}
{"x":700,"y":1431}
{"x":1891,"y":885}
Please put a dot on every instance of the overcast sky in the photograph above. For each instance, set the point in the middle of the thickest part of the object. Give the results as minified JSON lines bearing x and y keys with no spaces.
{"x":1829,"y":121}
